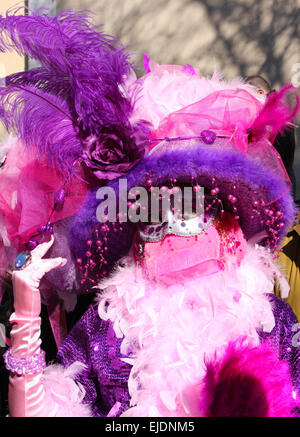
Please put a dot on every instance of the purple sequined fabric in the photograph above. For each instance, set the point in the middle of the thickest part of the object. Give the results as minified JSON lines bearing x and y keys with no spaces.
{"x":281,"y":339}
{"x":93,"y":342}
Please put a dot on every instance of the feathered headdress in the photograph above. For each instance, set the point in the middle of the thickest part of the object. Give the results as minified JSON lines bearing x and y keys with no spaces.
{"x":75,"y":96}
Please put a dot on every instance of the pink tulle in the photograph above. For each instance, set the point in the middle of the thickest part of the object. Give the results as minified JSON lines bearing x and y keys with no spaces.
{"x":27,"y":188}
{"x":226,"y":112}
{"x":166,"y":89}
{"x":179,"y":103}
{"x":175,"y":259}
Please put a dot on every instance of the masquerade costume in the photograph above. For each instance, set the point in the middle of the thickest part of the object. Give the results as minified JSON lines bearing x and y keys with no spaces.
{"x":183,"y":324}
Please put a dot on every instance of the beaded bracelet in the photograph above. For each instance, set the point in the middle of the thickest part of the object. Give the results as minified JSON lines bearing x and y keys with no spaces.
{"x":34,"y":364}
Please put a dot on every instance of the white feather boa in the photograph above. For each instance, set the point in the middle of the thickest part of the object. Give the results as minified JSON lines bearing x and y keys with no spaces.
{"x":169,"y":331}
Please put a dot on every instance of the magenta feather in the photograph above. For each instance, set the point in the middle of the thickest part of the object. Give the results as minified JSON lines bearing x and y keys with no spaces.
{"x":248,"y":381}
{"x":275,"y":116}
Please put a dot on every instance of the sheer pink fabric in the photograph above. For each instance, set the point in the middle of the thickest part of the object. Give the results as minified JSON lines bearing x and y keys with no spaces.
{"x":27,"y":188}
{"x":228,"y":113}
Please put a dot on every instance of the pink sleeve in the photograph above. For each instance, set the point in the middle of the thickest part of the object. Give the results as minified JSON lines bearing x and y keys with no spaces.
{"x":49,"y":392}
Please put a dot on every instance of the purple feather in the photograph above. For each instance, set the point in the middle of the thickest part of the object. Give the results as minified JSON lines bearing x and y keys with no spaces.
{"x":79,"y":64}
{"x":43,"y":123}
{"x":42,"y":79}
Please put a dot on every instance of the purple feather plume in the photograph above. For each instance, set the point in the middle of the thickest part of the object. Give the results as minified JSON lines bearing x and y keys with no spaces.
{"x":82,"y":70}
{"x":43,"y":122}
{"x":44,"y":80}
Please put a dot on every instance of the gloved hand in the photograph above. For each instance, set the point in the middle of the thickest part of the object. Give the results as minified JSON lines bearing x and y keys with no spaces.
{"x":27,"y":301}
{"x":26,"y":392}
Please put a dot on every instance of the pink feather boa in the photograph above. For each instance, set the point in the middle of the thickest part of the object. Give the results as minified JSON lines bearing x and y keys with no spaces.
{"x":63,"y":395}
{"x":170,"y":333}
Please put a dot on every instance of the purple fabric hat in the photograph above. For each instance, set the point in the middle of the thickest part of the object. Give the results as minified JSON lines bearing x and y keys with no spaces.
{"x":231,"y":157}
{"x":260,"y":199}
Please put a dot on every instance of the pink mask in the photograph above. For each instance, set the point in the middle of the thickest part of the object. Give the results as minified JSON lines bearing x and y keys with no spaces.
{"x":176,"y":259}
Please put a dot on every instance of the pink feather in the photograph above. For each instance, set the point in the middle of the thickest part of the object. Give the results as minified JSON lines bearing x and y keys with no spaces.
{"x":247,"y":381}
{"x":275,"y":115}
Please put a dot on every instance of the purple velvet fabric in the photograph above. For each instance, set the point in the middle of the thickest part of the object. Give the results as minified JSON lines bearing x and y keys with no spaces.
{"x":93,"y":342}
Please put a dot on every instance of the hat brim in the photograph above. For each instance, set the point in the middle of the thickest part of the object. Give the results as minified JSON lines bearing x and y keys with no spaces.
{"x":257,"y":190}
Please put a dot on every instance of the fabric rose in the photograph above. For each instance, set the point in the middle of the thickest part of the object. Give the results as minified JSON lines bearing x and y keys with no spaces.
{"x":113,"y":154}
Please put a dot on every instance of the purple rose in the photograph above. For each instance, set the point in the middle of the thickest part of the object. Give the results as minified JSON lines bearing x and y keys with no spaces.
{"x":110,"y":155}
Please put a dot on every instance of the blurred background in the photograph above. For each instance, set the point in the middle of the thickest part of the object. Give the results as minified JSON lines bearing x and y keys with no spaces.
{"x":237,"y":37}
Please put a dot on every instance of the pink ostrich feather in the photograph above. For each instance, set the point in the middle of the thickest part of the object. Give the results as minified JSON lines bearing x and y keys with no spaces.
{"x":248,"y":381}
{"x":275,"y":115}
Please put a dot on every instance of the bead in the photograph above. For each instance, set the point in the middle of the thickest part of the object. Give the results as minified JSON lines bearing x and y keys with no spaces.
{"x":49,"y":229}
{"x":42,"y":228}
{"x":208,"y":137}
{"x":32,"y":244}
{"x":59,"y":197}
{"x":215,"y":191}
{"x":33,"y":364}
{"x":232,"y":198}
